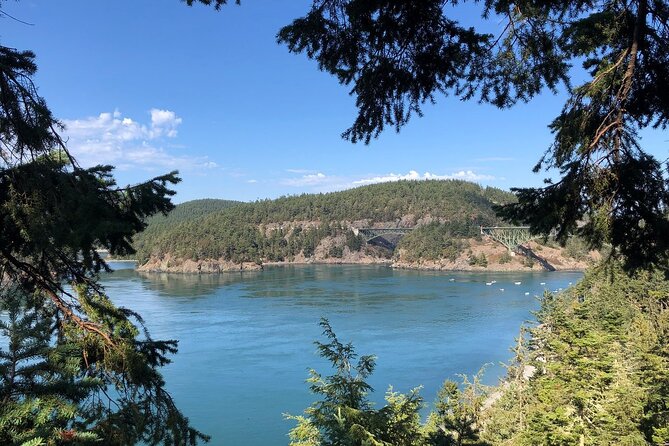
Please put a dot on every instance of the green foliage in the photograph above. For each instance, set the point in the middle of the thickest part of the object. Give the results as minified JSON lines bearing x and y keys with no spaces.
{"x":344,"y":415}
{"x":59,"y":383}
{"x":397,"y":54}
{"x":68,"y":347}
{"x":272,"y":229}
{"x":576,"y":248}
{"x":436,"y":240}
{"x":38,"y":400}
{"x":528,"y":262}
{"x":610,"y":189}
{"x":189,"y":210}
{"x":506,"y":257}
{"x":354,"y":242}
{"x":457,"y":415}
{"x":479,"y":260}
{"x":602,"y":366}
{"x":336,"y":252}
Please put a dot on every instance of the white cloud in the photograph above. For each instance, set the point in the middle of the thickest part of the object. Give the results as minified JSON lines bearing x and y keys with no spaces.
{"x":251,"y":181}
{"x":312,"y":179}
{"x":320,"y":182}
{"x":111,"y":138}
{"x":415,"y":176}
{"x":164,"y":122}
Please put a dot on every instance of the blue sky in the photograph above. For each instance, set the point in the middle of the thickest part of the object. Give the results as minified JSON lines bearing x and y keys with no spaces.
{"x":152,"y":86}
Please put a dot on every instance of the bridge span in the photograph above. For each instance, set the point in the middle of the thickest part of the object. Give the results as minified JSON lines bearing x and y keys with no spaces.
{"x":372,"y":233}
{"x":510,"y":236}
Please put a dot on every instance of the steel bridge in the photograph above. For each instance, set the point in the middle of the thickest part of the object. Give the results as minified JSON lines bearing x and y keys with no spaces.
{"x":510,"y":236}
{"x":371,"y":233}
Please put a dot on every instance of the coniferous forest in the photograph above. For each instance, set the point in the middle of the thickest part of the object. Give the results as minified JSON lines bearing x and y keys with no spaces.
{"x":278,"y":230}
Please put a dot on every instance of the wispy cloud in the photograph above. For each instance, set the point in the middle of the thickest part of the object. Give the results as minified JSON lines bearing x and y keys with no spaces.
{"x":467,"y":175}
{"x":111,"y":138}
{"x":312,"y":179}
{"x":300,"y":171}
{"x":321,"y":182}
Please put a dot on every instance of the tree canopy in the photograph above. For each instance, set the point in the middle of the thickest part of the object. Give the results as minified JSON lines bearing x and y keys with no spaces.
{"x":77,"y":368}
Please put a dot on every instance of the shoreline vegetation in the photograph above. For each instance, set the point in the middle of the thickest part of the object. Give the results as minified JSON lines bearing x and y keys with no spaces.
{"x":212,"y":236}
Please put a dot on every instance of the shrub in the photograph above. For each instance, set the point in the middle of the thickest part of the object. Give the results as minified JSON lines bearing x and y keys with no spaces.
{"x":480,"y":260}
{"x":336,"y":251}
{"x":505,"y":258}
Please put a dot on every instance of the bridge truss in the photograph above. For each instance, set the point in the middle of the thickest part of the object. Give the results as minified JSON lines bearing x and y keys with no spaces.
{"x":510,"y":236}
{"x":371,"y":233}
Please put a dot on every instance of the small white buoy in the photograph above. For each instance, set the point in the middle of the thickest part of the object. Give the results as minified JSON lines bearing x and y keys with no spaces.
{"x":569,"y":283}
{"x":451,"y":280}
{"x":517,"y":283}
{"x":542,"y":283}
{"x":501,"y":289}
{"x":488,"y":283}
{"x":527,"y":293}
{"x":494,"y":281}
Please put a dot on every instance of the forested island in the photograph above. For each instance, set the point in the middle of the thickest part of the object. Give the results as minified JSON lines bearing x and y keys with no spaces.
{"x":445,"y":217}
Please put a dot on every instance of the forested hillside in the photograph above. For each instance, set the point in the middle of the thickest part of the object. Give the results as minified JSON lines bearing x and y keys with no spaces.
{"x":288,"y":227}
{"x":187,"y":211}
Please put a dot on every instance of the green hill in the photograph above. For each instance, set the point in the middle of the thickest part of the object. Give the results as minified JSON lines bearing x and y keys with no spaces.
{"x":190,"y":210}
{"x":277,"y":230}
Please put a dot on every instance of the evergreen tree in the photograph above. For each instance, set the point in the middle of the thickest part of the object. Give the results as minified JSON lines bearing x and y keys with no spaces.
{"x":99,"y":375}
{"x":39,"y":400}
{"x":457,"y":416}
{"x":601,"y":361}
{"x":611,"y":190}
{"x":344,"y":416}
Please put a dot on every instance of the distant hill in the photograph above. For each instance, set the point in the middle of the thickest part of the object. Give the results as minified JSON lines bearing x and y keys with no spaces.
{"x":188,"y":211}
{"x":191,"y":210}
{"x":308,"y":225}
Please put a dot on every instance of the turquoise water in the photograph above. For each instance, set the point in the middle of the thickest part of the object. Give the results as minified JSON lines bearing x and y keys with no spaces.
{"x":246,"y":339}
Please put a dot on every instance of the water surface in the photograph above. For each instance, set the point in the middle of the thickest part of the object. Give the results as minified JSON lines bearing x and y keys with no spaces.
{"x":246,"y":339}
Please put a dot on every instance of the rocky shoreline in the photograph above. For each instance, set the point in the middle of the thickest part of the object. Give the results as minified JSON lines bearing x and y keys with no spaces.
{"x":215,"y":267}
{"x":169,"y":264}
{"x":497,"y":261}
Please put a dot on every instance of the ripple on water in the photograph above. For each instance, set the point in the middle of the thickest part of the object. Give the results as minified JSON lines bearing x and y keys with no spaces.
{"x":246,"y":340}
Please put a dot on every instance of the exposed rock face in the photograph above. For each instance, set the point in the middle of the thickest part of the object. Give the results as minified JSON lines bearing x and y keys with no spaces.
{"x":494,"y":253}
{"x":333,"y":250}
{"x":168,"y":264}
{"x":322,"y":254}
